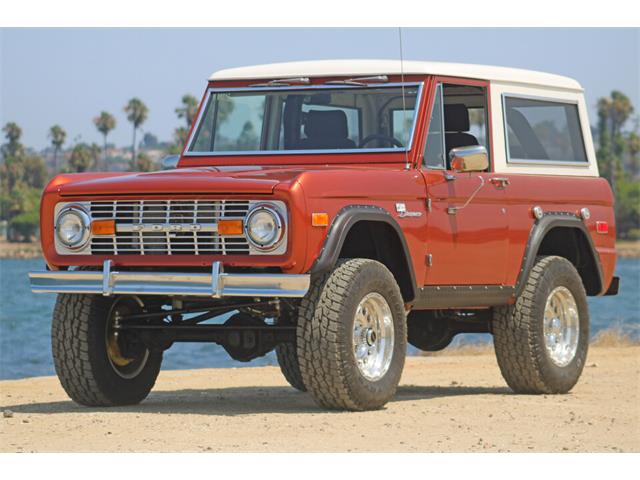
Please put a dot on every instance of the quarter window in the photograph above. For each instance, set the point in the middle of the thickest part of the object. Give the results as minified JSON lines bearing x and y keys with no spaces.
{"x":543,"y":131}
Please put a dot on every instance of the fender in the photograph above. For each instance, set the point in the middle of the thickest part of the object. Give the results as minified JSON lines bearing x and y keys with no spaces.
{"x":540,"y":228}
{"x":346,"y":218}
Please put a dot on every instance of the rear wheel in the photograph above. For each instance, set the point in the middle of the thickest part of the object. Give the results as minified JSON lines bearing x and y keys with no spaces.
{"x":97,"y":363}
{"x":541,"y":342}
{"x":352,"y":336}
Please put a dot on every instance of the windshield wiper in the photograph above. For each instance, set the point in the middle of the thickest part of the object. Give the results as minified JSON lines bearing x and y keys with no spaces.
{"x":360,"y":81}
{"x":283,"y":82}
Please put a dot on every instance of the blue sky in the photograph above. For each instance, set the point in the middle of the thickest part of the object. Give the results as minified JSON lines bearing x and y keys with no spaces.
{"x":68,"y":76}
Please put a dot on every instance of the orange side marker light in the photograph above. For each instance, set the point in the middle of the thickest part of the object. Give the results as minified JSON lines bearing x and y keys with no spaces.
{"x":230,"y":227}
{"x":319,"y":219}
{"x":103,"y":227}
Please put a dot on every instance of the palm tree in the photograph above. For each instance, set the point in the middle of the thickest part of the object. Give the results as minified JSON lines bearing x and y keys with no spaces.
{"x":137,"y":113}
{"x":12,"y":132}
{"x":613,"y":113}
{"x":188,"y":109}
{"x":58,"y":136}
{"x":105,"y":123}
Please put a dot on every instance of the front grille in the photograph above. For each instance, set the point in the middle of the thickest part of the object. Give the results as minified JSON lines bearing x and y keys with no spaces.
{"x":195,"y":232}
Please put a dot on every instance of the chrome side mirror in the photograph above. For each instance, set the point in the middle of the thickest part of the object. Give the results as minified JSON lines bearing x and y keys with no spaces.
{"x":469,"y":159}
{"x":170,"y":161}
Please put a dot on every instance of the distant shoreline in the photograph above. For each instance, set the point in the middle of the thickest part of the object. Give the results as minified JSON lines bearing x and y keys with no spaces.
{"x":626,"y":249}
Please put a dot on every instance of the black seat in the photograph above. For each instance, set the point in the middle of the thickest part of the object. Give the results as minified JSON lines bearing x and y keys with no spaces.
{"x":326,"y":129}
{"x":456,"y":126}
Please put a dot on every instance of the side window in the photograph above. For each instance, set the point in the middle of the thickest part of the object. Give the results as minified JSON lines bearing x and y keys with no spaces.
{"x":541,"y":130}
{"x":434,"y":149}
{"x":465,"y":117}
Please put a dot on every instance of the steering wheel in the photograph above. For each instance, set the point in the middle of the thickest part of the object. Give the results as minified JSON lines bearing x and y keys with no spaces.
{"x":383,"y":137}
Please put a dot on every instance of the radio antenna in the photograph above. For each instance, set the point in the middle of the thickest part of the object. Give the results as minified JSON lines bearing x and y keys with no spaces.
{"x":404,"y":105}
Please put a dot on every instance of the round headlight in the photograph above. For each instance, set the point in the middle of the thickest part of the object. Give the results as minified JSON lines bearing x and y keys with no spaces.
{"x":72,"y":227}
{"x":263,"y":227}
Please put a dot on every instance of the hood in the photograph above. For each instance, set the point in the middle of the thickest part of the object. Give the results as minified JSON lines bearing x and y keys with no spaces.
{"x":216,"y":180}
{"x":178,"y":181}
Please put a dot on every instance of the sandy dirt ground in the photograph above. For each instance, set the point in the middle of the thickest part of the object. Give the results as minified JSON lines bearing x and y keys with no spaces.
{"x":444,"y":403}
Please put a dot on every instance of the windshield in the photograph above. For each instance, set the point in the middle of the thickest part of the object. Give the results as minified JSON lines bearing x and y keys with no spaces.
{"x":305,"y":119}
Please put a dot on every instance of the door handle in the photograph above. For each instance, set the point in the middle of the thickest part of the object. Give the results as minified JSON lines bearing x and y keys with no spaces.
{"x":500,"y":182}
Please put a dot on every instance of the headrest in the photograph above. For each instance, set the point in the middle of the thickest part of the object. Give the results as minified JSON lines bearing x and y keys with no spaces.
{"x":456,"y":118}
{"x":326,"y":123}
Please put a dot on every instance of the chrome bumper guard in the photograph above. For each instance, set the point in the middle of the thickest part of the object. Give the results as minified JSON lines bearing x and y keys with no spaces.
{"x":216,"y":284}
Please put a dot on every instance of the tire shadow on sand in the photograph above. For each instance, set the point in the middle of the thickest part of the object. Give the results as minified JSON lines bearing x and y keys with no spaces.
{"x":244,"y":401}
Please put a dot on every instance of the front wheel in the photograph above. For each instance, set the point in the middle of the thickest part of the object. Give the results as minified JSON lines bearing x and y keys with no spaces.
{"x":352,"y":336}
{"x":541,"y":342}
{"x":97,"y":363}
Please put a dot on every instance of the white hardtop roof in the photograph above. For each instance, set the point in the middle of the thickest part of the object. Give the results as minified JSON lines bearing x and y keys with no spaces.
{"x":361,"y":68}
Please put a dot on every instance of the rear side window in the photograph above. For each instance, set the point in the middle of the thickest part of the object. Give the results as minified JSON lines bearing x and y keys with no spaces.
{"x":543,"y":131}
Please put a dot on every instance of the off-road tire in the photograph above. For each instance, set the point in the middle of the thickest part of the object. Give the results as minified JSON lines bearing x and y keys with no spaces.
{"x":287,"y":356}
{"x":325,"y":336}
{"x":518,"y":331}
{"x":80,"y":355}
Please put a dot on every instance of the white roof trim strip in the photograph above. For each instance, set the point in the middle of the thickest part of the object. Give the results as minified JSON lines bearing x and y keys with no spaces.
{"x":357,"y":68}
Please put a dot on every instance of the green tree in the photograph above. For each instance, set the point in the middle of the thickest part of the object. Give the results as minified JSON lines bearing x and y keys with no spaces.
{"x":188,"y":109}
{"x":613,"y":113}
{"x":58,"y":136}
{"x":105,"y":122}
{"x":149,"y":140}
{"x":12,"y":133}
{"x":22,"y":177}
{"x":633,"y":147}
{"x":96,"y":151}
{"x":137,"y":113}
{"x":34,"y":171}
{"x":628,"y":208}
{"x":81,"y":158}
{"x":180,"y":134}
{"x":145,"y":164}
{"x":12,"y":168}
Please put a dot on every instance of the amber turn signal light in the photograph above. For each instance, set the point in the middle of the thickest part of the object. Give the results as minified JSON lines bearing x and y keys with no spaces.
{"x":103,"y":227}
{"x":230,"y":227}
{"x":319,"y":219}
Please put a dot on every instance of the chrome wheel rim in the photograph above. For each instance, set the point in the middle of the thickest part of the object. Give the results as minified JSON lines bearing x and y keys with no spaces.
{"x":373,"y":336}
{"x":561,"y":326}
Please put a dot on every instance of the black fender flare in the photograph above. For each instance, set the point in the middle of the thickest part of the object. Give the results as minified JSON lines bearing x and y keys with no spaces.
{"x":346,"y":218}
{"x":539,"y":230}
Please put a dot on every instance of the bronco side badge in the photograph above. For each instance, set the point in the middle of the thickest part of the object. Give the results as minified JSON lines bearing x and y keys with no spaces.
{"x":401,"y":208}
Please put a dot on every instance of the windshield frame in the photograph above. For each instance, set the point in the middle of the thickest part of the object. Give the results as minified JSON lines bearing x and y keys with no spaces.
{"x":212,"y":90}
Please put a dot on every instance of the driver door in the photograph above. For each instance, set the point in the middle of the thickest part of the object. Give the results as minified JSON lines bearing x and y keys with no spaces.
{"x":466,"y":244}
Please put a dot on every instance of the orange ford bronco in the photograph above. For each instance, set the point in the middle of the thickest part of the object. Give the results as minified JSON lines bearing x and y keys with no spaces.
{"x":334,"y":211}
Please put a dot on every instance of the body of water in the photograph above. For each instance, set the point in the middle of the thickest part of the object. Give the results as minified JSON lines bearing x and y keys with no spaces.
{"x":25,"y":324}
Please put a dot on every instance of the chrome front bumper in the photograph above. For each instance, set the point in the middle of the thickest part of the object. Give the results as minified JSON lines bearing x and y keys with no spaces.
{"x":216,"y":284}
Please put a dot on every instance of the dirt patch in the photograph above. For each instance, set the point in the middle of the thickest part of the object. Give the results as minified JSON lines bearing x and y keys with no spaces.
{"x":444,"y":403}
